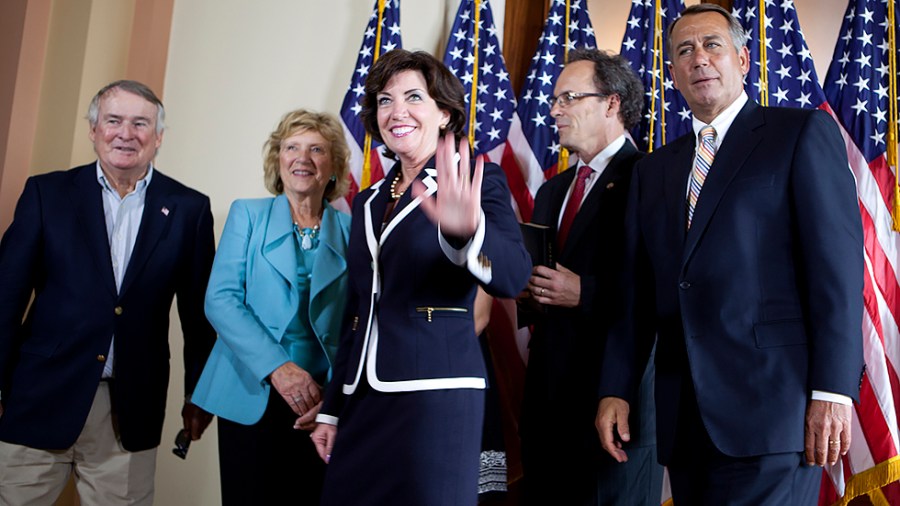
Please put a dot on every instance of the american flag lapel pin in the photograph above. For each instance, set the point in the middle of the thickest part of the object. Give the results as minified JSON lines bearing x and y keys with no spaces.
{"x":165,"y":211}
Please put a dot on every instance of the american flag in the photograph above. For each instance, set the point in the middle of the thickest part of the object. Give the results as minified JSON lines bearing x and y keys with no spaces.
{"x":644,"y":46}
{"x":789,"y":78}
{"x":856,"y":69}
{"x":533,"y":135}
{"x":858,"y":90}
{"x":488,"y":84}
{"x":382,"y":35}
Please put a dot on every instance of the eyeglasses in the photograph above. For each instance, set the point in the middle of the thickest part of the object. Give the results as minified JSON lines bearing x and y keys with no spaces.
{"x":570,"y":96}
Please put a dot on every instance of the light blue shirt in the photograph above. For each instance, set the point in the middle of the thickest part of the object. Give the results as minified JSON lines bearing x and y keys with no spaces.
{"x":123,"y":220}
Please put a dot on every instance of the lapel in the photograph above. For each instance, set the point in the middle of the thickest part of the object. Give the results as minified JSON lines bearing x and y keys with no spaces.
{"x":86,"y":195}
{"x":376,"y":205}
{"x":737,"y":146}
{"x":159,"y":211}
{"x":616,"y":169}
{"x":330,"y":261}
{"x":558,"y":195}
{"x":278,"y":242}
{"x":675,"y":181}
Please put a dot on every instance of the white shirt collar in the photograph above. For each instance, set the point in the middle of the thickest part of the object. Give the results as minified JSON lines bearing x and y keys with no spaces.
{"x":140,"y":185}
{"x":723,"y":121}
{"x":599,"y":162}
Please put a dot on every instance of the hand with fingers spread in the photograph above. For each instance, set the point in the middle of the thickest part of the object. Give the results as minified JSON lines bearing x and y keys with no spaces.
{"x":827,"y":435}
{"x":296,"y":387}
{"x":457,"y":207}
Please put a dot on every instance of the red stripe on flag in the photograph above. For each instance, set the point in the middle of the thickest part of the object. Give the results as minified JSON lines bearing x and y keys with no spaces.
{"x":827,"y":493}
{"x":883,"y":176}
{"x":376,"y":172}
{"x":885,"y":276}
{"x":352,"y":191}
{"x":873,"y":424}
{"x":516,"y":181}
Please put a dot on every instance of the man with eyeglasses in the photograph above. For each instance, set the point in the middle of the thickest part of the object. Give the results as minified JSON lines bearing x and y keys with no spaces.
{"x":597,"y":98}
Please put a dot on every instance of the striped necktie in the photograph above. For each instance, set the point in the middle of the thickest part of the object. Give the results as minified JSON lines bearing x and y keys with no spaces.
{"x":706,"y":152}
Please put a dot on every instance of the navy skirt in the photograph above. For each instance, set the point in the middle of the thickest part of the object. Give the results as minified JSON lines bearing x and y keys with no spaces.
{"x":410,"y":448}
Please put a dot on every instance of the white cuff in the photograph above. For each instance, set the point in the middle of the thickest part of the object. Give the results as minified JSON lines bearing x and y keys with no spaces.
{"x":469,"y":255}
{"x":818,"y":395}
{"x":327,"y":419}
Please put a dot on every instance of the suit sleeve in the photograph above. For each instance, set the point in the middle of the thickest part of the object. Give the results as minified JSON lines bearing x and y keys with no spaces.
{"x":238,"y":326}
{"x":20,"y":254}
{"x":830,"y":237}
{"x":199,"y":336}
{"x":496,"y":255}
{"x":631,"y":336}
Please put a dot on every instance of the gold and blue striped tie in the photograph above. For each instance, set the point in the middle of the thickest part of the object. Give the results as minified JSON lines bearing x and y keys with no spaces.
{"x":706,"y":152}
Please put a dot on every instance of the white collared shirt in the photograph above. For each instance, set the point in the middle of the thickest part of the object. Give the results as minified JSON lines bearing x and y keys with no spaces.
{"x":123,"y":220}
{"x":597,"y":164}
{"x":721,"y":123}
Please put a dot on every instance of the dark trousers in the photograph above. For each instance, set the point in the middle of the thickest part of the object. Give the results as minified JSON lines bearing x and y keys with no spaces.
{"x":269,"y":462}
{"x":701,"y":475}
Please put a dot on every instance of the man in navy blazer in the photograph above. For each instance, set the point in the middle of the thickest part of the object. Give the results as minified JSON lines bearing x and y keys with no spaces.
{"x":597,"y":99}
{"x":754,"y":288}
{"x":100,"y":251}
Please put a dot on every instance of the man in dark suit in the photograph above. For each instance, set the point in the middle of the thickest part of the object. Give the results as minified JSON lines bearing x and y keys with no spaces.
{"x":100,"y":251}
{"x":598,"y":98}
{"x":745,"y":256}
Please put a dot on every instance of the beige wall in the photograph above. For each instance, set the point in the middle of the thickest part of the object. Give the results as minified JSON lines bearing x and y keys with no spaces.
{"x":233,"y":68}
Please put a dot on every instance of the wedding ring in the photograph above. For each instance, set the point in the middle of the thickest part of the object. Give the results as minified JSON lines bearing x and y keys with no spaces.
{"x":542,"y":292}
{"x":833,"y":442}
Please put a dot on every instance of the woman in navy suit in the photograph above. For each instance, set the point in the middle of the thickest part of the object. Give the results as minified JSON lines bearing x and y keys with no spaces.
{"x":276,"y":297}
{"x":401,"y":423}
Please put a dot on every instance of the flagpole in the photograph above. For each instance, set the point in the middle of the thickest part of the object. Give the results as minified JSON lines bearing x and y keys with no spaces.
{"x":892,"y":111}
{"x":763,"y":57}
{"x":658,"y":70}
{"x":563,"y":152}
{"x":473,"y":98}
{"x":366,"y":178}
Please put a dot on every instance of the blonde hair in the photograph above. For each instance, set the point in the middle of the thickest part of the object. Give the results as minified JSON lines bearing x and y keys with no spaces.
{"x":325,"y":125}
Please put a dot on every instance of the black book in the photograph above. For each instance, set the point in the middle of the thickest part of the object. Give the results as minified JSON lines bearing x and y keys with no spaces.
{"x":539,"y":241}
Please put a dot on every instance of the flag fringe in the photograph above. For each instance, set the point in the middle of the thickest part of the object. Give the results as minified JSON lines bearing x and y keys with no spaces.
{"x":870,"y":482}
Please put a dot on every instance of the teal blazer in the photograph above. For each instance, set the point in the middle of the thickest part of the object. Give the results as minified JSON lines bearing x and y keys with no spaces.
{"x":253,"y":296}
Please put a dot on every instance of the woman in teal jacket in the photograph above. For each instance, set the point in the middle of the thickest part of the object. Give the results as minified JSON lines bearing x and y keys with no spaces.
{"x":276,"y":297}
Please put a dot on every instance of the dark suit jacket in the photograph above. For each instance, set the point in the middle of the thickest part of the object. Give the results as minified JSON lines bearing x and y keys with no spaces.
{"x":57,"y":249}
{"x":416,"y":314}
{"x":567,"y":344}
{"x":761,"y":301}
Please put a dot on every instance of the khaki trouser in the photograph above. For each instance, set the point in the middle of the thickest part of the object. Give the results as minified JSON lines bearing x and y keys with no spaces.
{"x":105,"y":474}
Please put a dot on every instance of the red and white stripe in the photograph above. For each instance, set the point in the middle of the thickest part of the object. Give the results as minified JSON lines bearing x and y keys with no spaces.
{"x":875,"y":430}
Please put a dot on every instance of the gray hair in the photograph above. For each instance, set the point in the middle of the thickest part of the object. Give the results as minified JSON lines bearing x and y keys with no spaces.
{"x":739,"y":36}
{"x":135,"y":88}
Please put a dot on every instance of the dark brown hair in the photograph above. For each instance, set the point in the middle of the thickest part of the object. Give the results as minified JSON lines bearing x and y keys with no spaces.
{"x":443,"y":87}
